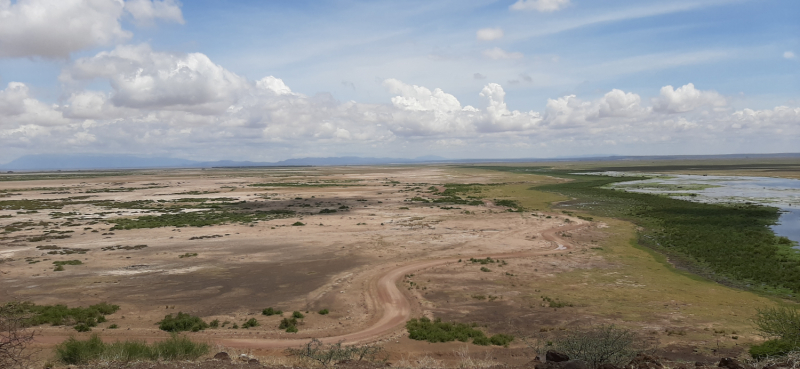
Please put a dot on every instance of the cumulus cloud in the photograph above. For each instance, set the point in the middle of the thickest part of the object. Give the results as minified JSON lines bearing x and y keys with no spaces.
{"x":56,"y":28}
{"x":489,"y":34}
{"x":142,"y":78}
{"x":686,"y":98}
{"x":187,"y":103}
{"x":497,"y":53}
{"x":19,"y":108}
{"x":788,"y":55}
{"x":148,"y":11}
{"x":540,"y":5}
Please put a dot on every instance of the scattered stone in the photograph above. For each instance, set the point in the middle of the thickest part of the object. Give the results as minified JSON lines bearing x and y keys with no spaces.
{"x":253,"y":362}
{"x":555,"y":356}
{"x":607,"y":366}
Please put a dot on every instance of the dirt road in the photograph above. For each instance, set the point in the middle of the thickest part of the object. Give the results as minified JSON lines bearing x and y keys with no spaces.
{"x":393,"y":306}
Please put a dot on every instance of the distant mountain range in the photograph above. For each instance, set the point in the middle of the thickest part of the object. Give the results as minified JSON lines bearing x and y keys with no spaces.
{"x":43,"y":162}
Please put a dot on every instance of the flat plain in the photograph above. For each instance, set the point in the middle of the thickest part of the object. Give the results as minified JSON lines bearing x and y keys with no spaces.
{"x":374,"y":246}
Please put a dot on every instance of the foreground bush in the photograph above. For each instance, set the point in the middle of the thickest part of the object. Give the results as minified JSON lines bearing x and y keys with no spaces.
{"x":333,"y":353}
{"x":772,"y":348}
{"x":603,"y":344}
{"x":181,"y":323}
{"x":75,"y":352}
{"x":782,"y":322}
{"x":14,"y":339}
{"x":423,"y":329}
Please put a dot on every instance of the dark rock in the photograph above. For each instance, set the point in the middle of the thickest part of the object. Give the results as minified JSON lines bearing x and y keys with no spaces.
{"x":555,"y":356}
{"x":222,"y":356}
{"x":547,"y":365}
{"x":699,"y":364}
{"x":253,"y":362}
{"x":731,"y":363}
{"x":607,"y":366}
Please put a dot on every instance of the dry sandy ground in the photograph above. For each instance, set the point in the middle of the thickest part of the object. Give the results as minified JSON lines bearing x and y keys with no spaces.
{"x":358,"y":262}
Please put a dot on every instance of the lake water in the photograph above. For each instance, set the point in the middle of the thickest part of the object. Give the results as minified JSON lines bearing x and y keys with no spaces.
{"x":782,"y":193}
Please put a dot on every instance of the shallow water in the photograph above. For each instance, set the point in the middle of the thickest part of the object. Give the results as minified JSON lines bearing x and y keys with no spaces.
{"x":782,"y":193}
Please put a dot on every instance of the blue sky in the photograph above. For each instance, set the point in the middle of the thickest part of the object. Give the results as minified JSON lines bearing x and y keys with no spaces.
{"x":269,"y":80}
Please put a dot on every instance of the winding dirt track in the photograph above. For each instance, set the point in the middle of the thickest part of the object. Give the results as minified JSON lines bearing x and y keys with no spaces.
{"x":393,"y":306}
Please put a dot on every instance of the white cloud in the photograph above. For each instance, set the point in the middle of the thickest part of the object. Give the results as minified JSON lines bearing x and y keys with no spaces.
{"x":489,"y":34}
{"x":19,"y":108}
{"x":56,"y":28}
{"x":788,"y":55}
{"x":497,"y":53}
{"x":147,"y":11}
{"x":168,"y":102}
{"x":686,"y":99}
{"x":540,"y":5}
{"x":142,"y":78}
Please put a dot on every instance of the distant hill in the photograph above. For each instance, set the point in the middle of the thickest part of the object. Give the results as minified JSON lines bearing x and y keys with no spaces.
{"x":43,"y":162}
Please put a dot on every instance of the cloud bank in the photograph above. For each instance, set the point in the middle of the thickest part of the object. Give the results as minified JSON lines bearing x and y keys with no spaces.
{"x":187,"y":103}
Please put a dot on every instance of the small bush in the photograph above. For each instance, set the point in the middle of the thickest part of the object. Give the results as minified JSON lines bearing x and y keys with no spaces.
{"x":270,"y":312}
{"x":75,"y":352}
{"x":771,"y":348}
{"x":182,"y":322}
{"x":324,"y":312}
{"x":214,"y":323}
{"x":501,"y":339}
{"x":298,"y":224}
{"x":485,"y":269}
{"x":600,"y":345}
{"x":298,"y":315}
{"x":252,"y":322}
{"x":82,"y":327}
{"x":113,"y":326}
{"x":289,"y":324}
{"x":423,"y":329}
{"x":336,"y":352}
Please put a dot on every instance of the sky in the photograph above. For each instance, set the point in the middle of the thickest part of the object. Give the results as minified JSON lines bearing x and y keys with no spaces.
{"x":271,"y":80}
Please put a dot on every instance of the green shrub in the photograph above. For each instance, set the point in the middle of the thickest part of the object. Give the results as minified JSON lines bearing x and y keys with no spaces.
{"x":298,"y":315}
{"x":780,"y":322}
{"x":292,"y":329}
{"x":75,"y":352}
{"x":324,"y":312}
{"x":270,"y":312}
{"x":423,"y":329}
{"x":600,"y":345}
{"x":252,"y":322}
{"x":61,"y":314}
{"x":113,"y":326}
{"x":214,"y":323}
{"x":485,"y":269}
{"x":182,"y":322}
{"x":769,"y":348}
{"x":501,"y":339}
{"x":288,"y":323}
{"x":82,"y":327}
{"x":298,"y":224}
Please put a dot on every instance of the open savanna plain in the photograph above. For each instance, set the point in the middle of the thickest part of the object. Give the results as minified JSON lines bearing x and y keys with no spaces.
{"x":373,"y":246}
